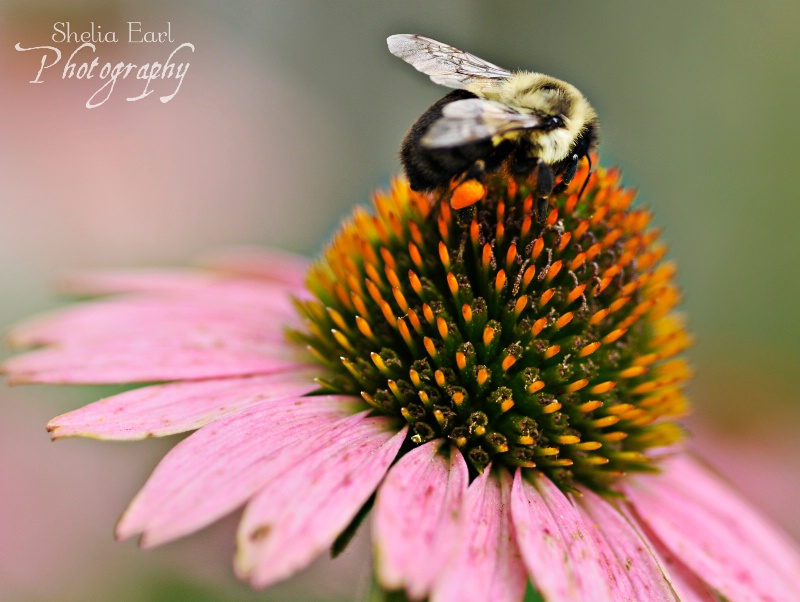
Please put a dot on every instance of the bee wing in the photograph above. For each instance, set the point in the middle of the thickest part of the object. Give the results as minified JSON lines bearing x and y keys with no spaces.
{"x":474,"y":119}
{"x":444,"y":64}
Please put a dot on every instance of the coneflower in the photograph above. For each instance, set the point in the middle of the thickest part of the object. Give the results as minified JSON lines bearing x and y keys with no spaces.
{"x":500,"y":393}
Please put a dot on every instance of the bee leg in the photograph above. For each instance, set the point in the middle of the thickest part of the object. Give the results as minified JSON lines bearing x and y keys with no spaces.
{"x":542,"y":205}
{"x":468,"y":190}
{"x":477,"y":171}
{"x":588,"y":175}
{"x":570,"y":169}
{"x":544,"y":180}
{"x":544,"y":187}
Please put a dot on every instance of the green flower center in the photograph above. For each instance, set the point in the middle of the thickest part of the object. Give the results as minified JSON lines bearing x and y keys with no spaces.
{"x":545,"y":346}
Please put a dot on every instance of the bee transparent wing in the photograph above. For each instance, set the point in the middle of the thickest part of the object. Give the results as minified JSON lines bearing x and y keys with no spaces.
{"x":444,"y":64}
{"x":474,"y":119}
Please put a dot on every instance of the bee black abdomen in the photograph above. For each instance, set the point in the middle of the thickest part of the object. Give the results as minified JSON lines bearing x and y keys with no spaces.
{"x":430,"y":168}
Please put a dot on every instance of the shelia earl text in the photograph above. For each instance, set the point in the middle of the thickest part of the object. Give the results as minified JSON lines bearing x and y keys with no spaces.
{"x":64,"y":34}
{"x":83,"y":63}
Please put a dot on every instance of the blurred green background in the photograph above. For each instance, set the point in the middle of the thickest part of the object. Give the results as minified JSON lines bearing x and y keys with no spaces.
{"x":290,"y":113}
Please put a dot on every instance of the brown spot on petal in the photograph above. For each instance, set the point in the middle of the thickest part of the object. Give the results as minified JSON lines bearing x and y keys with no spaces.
{"x":260,"y":533}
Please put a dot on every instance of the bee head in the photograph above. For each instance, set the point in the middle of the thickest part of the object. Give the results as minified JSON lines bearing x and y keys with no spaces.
{"x":564,"y":110}
{"x":540,"y":94}
{"x":553,"y":122}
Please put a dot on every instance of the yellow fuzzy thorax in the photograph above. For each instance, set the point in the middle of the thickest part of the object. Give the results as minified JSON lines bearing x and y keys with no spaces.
{"x":528,"y":93}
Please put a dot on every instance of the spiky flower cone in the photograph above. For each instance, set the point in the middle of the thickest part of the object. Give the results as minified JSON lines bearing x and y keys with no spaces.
{"x":492,"y":377}
{"x":549,"y":346}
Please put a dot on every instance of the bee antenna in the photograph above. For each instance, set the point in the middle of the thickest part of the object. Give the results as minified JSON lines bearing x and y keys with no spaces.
{"x":588,"y":175}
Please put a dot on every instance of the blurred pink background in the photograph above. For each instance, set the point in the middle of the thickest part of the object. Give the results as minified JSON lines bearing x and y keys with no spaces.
{"x":138,"y":184}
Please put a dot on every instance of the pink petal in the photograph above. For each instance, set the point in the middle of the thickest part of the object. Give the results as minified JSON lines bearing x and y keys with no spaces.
{"x":486,"y":564}
{"x":296,"y":517}
{"x":416,"y":516}
{"x":556,"y":545}
{"x":218,"y":468}
{"x":131,"y":361}
{"x":260,"y":263}
{"x":176,"y":408}
{"x":160,"y":318}
{"x":706,"y":525}
{"x":158,"y":280}
{"x":632,"y":569}
{"x":684,"y":581}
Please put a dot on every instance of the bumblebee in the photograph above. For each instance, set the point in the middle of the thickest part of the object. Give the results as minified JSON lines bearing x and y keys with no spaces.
{"x":522,"y":121}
